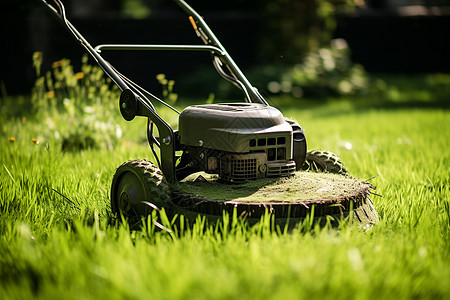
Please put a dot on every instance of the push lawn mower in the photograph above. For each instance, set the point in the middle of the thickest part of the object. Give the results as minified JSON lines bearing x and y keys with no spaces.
{"x":250,"y":148}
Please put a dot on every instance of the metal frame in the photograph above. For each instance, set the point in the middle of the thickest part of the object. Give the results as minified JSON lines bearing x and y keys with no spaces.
{"x":135,"y":100}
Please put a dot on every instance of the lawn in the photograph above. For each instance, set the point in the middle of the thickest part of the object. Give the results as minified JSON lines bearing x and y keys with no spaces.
{"x":59,"y":240}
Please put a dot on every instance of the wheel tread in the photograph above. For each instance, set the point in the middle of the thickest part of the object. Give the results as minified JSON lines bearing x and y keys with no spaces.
{"x":324,"y":161}
{"x":155,"y":184}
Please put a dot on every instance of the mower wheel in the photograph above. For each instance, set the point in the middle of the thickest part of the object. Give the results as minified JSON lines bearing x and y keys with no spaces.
{"x":324,"y":161}
{"x":137,"y":188}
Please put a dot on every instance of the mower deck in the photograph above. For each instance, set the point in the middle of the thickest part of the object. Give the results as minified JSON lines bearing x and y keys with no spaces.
{"x":290,"y":198}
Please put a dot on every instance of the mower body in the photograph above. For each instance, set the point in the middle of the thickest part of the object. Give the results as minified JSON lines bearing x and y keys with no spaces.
{"x":239,"y":141}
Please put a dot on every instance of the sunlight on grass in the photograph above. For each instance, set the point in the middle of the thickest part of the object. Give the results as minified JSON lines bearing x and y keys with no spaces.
{"x":59,"y":239}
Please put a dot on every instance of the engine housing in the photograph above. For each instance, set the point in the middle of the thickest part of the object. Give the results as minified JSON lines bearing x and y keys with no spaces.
{"x":239,"y":141}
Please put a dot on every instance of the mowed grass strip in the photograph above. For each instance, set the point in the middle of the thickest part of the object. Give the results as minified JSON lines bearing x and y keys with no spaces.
{"x":305,"y":187}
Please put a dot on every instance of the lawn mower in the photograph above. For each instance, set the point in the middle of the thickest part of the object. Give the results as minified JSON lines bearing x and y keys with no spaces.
{"x":240,"y":145}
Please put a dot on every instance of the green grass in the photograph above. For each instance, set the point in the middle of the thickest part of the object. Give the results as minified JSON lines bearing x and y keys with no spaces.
{"x":58,"y":240}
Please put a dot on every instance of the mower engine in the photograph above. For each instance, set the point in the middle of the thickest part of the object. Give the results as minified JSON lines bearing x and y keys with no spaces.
{"x":240,"y":141}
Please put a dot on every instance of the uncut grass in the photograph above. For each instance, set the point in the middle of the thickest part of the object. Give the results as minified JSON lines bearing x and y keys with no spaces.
{"x":67,"y":248}
{"x":115,"y":264}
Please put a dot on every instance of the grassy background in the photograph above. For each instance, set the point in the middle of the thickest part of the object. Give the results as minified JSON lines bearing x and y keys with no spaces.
{"x":58,"y":239}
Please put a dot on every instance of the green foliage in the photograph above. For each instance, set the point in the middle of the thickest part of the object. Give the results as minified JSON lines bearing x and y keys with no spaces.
{"x":135,"y":9}
{"x":167,"y":89}
{"x":292,"y":29}
{"x":412,"y":88}
{"x":326,"y":72}
{"x":77,"y":109}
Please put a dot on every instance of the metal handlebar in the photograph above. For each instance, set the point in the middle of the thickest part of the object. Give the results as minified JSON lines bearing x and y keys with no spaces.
{"x":134,"y":99}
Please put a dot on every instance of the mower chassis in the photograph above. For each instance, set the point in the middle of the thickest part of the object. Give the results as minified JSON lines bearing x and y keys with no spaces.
{"x":134,"y":101}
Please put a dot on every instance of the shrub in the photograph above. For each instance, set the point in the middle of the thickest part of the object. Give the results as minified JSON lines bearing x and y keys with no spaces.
{"x":326,"y":72}
{"x":77,"y":108}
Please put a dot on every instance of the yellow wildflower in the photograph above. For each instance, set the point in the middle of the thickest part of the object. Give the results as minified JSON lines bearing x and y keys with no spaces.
{"x":36,"y":141}
{"x":12,"y":140}
{"x":57,"y":64}
{"x":79,"y":75}
{"x":51,"y":94}
{"x":37,"y":55}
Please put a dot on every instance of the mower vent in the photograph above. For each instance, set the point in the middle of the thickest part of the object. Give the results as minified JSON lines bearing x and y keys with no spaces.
{"x":242,"y":167}
{"x":281,"y":169}
{"x":271,"y":141}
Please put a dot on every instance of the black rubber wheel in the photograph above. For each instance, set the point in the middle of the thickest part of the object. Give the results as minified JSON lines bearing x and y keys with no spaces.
{"x":324,"y":161}
{"x":138,"y":187}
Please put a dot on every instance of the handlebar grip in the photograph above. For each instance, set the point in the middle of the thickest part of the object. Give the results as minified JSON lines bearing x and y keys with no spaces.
{"x":194,"y":25}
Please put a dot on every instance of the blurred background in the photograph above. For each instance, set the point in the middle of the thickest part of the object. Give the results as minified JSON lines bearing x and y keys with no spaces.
{"x":301,"y":48}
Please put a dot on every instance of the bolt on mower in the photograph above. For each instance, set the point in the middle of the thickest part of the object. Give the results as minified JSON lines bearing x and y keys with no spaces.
{"x":238,"y":142}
